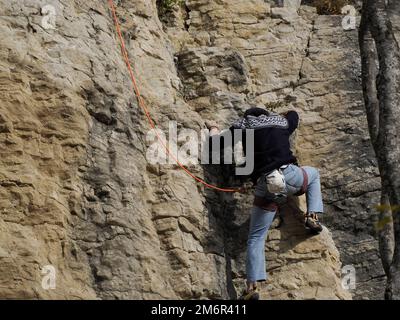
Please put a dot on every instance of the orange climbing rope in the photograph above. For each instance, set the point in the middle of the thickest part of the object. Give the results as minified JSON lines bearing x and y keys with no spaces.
{"x":146,"y":111}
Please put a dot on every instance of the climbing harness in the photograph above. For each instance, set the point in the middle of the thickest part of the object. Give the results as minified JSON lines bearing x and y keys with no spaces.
{"x":147,"y":113}
{"x":275,"y":185}
{"x":303,"y":189}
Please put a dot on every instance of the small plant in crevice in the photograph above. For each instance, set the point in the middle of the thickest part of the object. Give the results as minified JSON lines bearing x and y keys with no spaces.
{"x":165,"y":6}
{"x":273,"y":105}
{"x":329,"y":7}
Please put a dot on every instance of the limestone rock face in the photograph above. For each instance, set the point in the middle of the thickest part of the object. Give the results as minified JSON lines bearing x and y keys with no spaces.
{"x":302,"y":266}
{"x":77,"y":189}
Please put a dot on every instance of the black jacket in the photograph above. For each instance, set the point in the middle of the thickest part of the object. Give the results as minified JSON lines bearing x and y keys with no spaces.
{"x":271,"y":145}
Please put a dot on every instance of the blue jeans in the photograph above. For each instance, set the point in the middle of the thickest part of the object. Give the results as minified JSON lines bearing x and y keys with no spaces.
{"x":261,"y":219}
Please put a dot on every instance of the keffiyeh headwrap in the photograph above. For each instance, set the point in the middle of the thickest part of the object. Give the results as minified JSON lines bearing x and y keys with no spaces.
{"x":272,"y":120}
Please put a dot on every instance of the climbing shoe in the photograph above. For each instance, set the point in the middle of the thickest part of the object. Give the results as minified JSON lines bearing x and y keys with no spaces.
{"x":312,"y":223}
{"x":251,"y":294}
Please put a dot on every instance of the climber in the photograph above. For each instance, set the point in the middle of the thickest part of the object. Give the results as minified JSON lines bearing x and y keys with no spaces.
{"x":276,"y":175}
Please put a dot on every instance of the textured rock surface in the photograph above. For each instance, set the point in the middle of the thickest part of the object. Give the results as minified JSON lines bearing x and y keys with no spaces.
{"x":335,"y":139}
{"x":76,"y":191}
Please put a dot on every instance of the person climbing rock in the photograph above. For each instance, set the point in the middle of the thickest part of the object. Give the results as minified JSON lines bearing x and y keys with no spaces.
{"x":276,"y":175}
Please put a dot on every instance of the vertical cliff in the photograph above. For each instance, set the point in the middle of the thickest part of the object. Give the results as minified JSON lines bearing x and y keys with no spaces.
{"x":76,"y":189}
